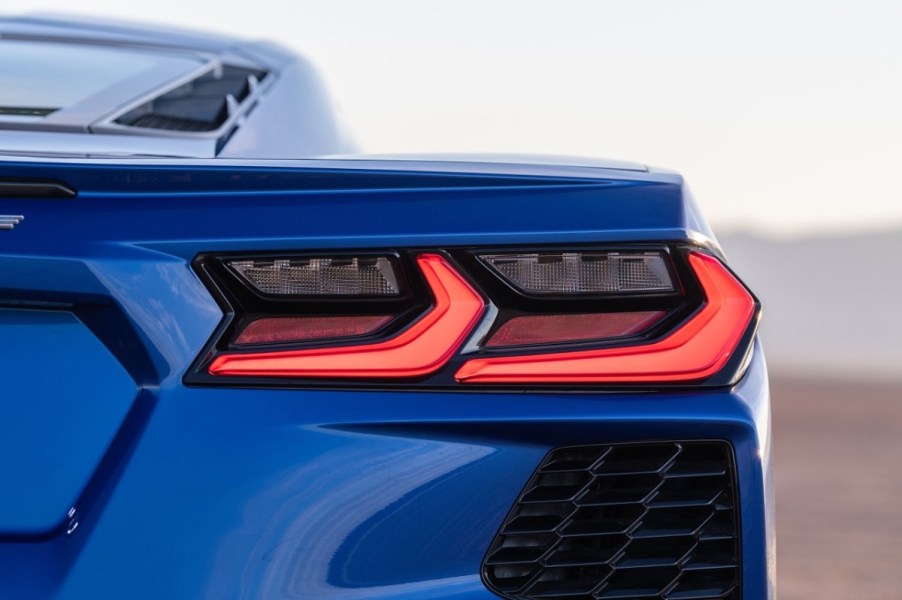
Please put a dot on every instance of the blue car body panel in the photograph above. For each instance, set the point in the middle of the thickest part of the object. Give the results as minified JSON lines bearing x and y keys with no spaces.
{"x":185,"y":491}
{"x":293,"y":493}
{"x":64,"y":420}
{"x":338,"y":495}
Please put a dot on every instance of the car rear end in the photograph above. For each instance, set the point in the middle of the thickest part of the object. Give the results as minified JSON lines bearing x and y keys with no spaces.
{"x":374,"y":379}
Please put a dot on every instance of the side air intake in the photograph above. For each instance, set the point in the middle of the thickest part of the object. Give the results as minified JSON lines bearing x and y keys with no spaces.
{"x":628,"y":521}
{"x":203,"y":104}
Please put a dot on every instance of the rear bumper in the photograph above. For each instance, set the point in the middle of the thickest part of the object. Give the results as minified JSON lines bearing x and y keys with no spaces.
{"x":313,"y":494}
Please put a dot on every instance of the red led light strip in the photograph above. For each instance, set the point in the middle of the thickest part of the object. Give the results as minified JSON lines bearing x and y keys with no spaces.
{"x":697,"y":350}
{"x":421,"y":349}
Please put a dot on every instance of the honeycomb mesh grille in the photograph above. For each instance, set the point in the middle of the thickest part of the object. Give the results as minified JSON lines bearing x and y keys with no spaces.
{"x":624,"y":521}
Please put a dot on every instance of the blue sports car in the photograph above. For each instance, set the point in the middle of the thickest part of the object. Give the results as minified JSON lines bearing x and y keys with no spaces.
{"x":240,"y":360}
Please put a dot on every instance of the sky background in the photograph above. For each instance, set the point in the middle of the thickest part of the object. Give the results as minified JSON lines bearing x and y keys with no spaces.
{"x":785,"y":117}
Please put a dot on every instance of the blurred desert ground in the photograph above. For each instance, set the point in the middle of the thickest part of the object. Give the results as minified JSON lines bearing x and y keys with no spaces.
{"x":833,"y":336}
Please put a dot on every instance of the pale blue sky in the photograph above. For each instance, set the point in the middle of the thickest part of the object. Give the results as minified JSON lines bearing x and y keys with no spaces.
{"x":784,"y":116}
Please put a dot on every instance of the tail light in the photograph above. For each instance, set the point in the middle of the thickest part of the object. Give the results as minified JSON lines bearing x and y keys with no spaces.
{"x":695,"y":350}
{"x":582,"y":273}
{"x":320,"y":276}
{"x":272,"y":330}
{"x":464,"y":318}
{"x":530,"y":330}
{"x":420,"y":349}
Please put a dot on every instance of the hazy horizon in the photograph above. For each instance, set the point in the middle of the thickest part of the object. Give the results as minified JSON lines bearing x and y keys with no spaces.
{"x":832,"y":231}
{"x":830,"y":303}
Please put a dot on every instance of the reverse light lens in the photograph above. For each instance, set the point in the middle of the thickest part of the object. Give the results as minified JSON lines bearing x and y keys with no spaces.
{"x":554,"y":329}
{"x":317,"y":276}
{"x":557,"y":273}
{"x":277,"y":330}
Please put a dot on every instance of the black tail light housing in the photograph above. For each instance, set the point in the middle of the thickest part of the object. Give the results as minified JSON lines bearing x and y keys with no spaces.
{"x":553,"y":317}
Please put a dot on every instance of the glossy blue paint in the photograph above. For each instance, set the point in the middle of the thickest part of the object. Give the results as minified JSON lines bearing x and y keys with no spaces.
{"x":333,"y":495}
{"x":58,"y":417}
{"x":323,"y":494}
{"x":190,"y":492}
{"x":328,"y":204}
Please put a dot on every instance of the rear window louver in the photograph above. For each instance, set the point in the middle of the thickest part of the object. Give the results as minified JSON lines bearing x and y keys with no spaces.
{"x":202,"y":104}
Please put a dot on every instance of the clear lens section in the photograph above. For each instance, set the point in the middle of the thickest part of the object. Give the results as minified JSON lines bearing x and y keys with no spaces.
{"x":583,"y":272}
{"x":339,"y":276}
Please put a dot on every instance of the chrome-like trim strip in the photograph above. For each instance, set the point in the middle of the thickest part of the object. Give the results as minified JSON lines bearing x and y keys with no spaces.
{"x":9,"y":222}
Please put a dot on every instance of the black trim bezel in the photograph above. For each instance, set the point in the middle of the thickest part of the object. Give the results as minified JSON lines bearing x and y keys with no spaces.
{"x":36,"y":188}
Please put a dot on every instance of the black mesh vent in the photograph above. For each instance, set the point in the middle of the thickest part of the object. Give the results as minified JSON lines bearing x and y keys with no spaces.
{"x":626,"y":521}
{"x":199,"y":105}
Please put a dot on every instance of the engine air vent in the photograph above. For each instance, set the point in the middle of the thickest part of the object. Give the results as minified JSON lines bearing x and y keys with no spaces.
{"x":203,"y":104}
{"x":656,"y":521}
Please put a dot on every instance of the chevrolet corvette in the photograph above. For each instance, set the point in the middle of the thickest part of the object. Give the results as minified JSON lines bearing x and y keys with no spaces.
{"x":240,"y":359}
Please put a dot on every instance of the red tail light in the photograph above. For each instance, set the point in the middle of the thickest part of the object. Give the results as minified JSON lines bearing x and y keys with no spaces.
{"x":628,"y":315}
{"x":695,"y":351}
{"x":421,"y":349}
